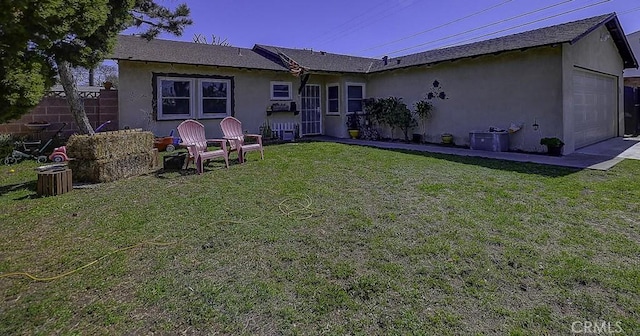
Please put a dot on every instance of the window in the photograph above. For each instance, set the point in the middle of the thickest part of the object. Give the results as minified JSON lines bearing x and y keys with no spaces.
{"x":333,"y":99}
{"x":355,"y":94}
{"x":188,"y":97}
{"x":175,"y":99}
{"x":281,"y":91}
{"x":215,"y":102}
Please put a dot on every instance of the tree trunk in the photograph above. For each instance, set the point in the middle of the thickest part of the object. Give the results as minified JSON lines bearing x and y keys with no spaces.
{"x":73,"y":98}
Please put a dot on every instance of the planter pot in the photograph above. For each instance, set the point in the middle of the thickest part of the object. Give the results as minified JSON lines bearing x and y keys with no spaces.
{"x":107,"y":85}
{"x":354,"y":133}
{"x":37,"y":126}
{"x":554,"y":150}
{"x":447,"y":138}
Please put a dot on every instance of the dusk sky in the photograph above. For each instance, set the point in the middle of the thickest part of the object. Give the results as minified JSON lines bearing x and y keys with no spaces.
{"x":374,"y":28}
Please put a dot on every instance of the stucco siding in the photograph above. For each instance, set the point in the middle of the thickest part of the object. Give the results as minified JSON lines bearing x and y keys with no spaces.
{"x":597,"y":53}
{"x":332,"y":123}
{"x":522,"y":87}
{"x":251,"y":96}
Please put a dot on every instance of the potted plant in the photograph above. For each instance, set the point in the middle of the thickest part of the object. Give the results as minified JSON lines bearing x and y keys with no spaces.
{"x":353,"y":125}
{"x":422,"y":112}
{"x":426,"y":107}
{"x":265,"y":131}
{"x":447,"y":138}
{"x":37,"y":125}
{"x":554,"y":145}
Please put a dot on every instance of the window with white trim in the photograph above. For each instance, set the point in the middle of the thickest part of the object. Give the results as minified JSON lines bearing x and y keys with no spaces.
{"x":215,"y":99}
{"x":355,"y":95}
{"x":187,"y":97}
{"x":175,"y":98}
{"x":333,"y":99}
{"x":281,"y":91}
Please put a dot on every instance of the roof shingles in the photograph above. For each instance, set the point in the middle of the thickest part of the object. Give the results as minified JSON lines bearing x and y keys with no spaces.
{"x":267,"y":57}
{"x":138,"y":49}
{"x":322,"y":61}
{"x":567,"y":32}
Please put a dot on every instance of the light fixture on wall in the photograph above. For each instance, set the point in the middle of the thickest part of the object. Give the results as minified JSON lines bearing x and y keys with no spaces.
{"x":604,"y":37}
{"x":535,"y":125}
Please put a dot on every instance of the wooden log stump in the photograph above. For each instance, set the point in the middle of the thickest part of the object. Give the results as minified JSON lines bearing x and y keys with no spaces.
{"x":54,"y":182}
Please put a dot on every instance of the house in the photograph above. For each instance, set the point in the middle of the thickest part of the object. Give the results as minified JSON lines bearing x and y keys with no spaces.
{"x":632,"y":76}
{"x":563,"y":81}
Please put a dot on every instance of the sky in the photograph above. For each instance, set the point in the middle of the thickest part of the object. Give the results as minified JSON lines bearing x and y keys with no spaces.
{"x":375,"y":28}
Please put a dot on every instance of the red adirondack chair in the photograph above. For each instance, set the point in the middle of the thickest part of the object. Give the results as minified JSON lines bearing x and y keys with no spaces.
{"x":193,"y":137}
{"x":232,"y":130}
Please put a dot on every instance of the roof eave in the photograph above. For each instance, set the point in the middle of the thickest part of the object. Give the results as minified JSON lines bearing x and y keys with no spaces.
{"x":199,"y":64}
{"x":617,"y":34}
{"x":330,"y":72}
{"x":465,"y":57}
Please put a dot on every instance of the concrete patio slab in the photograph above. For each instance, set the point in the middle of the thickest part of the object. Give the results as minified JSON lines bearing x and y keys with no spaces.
{"x":601,"y":156}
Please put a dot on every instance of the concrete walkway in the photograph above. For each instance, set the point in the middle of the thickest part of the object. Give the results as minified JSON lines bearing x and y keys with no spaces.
{"x":599,"y":156}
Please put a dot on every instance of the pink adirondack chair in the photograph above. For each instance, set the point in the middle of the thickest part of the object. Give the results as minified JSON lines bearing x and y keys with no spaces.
{"x":193,"y":136}
{"x":232,"y":130}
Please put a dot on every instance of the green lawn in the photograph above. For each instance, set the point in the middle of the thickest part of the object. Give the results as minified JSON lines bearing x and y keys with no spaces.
{"x":323,"y":238}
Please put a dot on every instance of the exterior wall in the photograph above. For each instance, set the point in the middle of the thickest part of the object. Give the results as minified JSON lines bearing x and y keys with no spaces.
{"x":251,"y":96}
{"x":592,"y":53}
{"x":522,"y":87}
{"x":55,"y":111}
{"x":331,"y":124}
{"x":525,"y":88}
{"x":634,"y":42}
{"x":340,"y":122}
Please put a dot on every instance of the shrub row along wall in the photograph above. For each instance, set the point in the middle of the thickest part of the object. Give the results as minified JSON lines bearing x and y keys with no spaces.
{"x":110,"y":156}
{"x":100,"y":107}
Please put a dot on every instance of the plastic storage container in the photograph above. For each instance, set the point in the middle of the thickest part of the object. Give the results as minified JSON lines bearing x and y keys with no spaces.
{"x":489,"y":141}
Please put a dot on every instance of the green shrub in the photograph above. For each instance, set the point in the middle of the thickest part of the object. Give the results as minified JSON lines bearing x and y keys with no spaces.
{"x":6,"y":145}
{"x":551,"y":142}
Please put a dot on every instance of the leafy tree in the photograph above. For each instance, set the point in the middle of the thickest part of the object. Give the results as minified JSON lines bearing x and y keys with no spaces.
{"x":39,"y":37}
{"x":24,"y":80}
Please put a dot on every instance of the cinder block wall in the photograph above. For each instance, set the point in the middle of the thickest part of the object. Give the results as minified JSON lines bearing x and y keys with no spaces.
{"x":632,"y":81}
{"x":55,"y":111}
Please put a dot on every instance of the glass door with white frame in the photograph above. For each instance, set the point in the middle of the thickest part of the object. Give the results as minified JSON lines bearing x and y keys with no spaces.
{"x":311,"y":110}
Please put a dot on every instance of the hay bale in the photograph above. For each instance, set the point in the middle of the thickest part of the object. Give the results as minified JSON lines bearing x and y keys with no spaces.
{"x":112,"y":169}
{"x":107,"y":145}
{"x":155,"y":160}
{"x":109,"y":156}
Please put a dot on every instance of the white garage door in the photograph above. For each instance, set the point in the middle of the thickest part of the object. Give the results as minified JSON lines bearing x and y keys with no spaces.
{"x":595,"y":107}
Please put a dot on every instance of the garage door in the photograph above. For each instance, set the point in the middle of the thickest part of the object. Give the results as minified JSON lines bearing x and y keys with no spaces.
{"x":595,"y":107}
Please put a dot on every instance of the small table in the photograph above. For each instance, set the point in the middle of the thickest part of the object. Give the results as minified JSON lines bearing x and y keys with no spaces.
{"x":54,"y":182}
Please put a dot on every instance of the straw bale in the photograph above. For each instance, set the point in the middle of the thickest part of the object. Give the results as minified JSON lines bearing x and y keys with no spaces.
{"x":107,"y":145}
{"x":108,"y":170}
{"x":155,"y":159}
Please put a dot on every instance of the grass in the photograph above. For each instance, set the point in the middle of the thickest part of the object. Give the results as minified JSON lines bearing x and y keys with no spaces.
{"x":324,"y":238}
